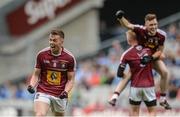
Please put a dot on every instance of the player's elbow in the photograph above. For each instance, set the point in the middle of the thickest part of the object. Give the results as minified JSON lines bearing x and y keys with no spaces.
{"x":130,"y":26}
{"x":120,"y":72}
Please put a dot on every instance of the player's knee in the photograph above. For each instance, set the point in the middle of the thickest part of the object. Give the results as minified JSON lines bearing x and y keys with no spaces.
{"x":134,"y":113}
{"x":152,"y":114}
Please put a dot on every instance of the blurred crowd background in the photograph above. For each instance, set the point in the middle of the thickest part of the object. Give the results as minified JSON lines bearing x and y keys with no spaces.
{"x":97,"y":41}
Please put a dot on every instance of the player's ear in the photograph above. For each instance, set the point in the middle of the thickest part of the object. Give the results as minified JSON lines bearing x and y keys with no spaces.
{"x":62,"y":40}
{"x":146,"y":23}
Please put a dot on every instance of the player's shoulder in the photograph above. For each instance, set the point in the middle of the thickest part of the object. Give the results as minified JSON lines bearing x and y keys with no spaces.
{"x":139,"y":26}
{"x":161,"y":32}
{"x":128,"y":51}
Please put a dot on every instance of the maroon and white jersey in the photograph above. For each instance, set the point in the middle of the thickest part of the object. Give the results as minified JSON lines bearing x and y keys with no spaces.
{"x":141,"y":74}
{"x":152,"y":42}
{"x":54,"y":69}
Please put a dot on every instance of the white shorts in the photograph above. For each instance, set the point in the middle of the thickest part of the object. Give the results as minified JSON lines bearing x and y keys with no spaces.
{"x":142,"y":94}
{"x":56,"y":104}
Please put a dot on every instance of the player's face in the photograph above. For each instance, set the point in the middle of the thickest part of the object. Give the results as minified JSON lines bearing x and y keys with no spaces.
{"x":151,"y":26}
{"x":55,"y":42}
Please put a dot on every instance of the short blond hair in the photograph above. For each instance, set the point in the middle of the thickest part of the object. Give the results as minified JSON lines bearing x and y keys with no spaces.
{"x":150,"y":16}
{"x":57,"y":31}
{"x":131,"y":37}
{"x":131,"y":33}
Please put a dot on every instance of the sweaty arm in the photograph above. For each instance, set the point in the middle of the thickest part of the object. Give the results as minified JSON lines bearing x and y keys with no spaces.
{"x":123,"y":83}
{"x":124,"y":22}
{"x":35,"y":77}
{"x":126,"y":76}
{"x":70,"y":82}
{"x":120,"y":87}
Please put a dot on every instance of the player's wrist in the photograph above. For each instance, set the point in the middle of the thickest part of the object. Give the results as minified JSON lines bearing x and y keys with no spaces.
{"x":63,"y":95}
{"x":30,"y":89}
{"x":117,"y":93}
{"x":30,"y":85}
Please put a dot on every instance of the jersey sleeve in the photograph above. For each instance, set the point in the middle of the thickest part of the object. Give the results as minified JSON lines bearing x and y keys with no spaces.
{"x":38,"y":62}
{"x":138,"y":28}
{"x":72,"y":65}
{"x":163,"y":37}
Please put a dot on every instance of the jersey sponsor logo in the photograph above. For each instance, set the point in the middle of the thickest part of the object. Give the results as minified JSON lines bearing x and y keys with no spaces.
{"x":53,"y":77}
{"x":152,"y":42}
{"x":63,"y":65}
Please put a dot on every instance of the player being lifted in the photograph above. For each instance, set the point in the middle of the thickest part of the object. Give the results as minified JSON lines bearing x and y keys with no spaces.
{"x":150,"y":36}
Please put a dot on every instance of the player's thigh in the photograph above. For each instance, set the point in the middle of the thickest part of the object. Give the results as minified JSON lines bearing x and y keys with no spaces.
{"x":41,"y":103}
{"x":162,"y":56}
{"x":160,"y":66}
{"x":135,"y":108}
{"x":58,"y":105}
{"x":41,"y":107}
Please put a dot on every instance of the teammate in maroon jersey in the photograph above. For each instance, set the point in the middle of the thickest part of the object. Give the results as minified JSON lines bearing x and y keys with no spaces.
{"x":150,"y":36}
{"x":53,"y":76}
{"x":142,"y":82}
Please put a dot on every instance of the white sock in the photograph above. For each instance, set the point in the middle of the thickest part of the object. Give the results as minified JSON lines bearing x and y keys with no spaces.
{"x":162,"y":98}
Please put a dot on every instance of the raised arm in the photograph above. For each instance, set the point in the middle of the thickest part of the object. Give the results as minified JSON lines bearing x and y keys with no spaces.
{"x":123,"y":21}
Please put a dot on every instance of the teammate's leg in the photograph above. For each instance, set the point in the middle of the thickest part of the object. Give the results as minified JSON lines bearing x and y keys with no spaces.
{"x":161,"y":68}
{"x":151,"y":106}
{"x":152,"y":111}
{"x":134,"y":108}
